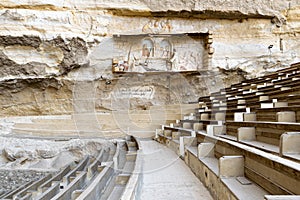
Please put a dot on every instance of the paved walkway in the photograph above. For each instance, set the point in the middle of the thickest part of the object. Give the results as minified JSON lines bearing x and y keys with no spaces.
{"x":165,"y":176}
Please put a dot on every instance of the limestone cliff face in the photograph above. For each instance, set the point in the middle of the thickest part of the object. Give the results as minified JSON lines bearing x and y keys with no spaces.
{"x":48,"y":47}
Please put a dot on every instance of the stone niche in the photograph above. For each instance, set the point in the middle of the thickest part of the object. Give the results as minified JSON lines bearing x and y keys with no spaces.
{"x":160,"y":52}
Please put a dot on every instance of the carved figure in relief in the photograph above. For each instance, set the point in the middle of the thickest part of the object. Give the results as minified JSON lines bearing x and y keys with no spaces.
{"x":174,"y":60}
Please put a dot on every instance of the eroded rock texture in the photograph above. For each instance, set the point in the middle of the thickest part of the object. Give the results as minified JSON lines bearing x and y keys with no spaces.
{"x":54,"y":54}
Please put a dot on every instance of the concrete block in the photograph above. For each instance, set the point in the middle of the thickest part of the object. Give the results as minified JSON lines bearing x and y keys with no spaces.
{"x":197,"y":126}
{"x":158,"y":132}
{"x":263,"y":98}
{"x":176,"y":135}
{"x":220,"y":116}
{"x":206,"y":149}
{"x":246,"y":133}
{"x":191,"y":117}
{"x":249,"y":117}
{"x":204,"y":116}
{"x":231,"y":166}
{"x":219,"y":130}
{"x":241,"y":101}
{"x":201,"y":110}
{"x":131,"y":157}
{"x":122,"y":179}
{"x":167,"y":133}
{"x":187,"y":125}
{"x":285,"y":88}
{"x":215,"y":129}
{"x":238,"y":116}
{"x":186,"y":117}
{"x":266,"y":105}
{"x":289,"y":143}
{"x":280,"y":104}
{"x":286,"y":116}
{"x":186,"y":141}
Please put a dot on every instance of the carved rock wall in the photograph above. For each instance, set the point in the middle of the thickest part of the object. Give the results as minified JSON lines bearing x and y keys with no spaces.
{"x":46,"y":47}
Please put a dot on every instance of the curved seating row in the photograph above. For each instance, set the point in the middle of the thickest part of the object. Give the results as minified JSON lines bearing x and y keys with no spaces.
{"x":243,"y":142}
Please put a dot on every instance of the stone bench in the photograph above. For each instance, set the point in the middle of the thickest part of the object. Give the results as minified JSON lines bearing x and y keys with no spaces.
{"x":94,"y":190}
{"x":221,"y":176}
{"x":57,"y":177}
{"x":275,"y":174}
{"x":270,"y":114}
{"x":76,"y":183}
{"x":93,"y":168}
{"x":81,"y":166}
{"x":203,"y":123}
{"x":50,"y":192}
{"x":277,"y":94}
{"x":179,"y":137}
{"x":292,"y":100}
{"x":32,"y":187}
{"x":267,"y":132}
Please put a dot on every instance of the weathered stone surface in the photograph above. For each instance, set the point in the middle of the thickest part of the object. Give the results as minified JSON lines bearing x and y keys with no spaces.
{"x":48,"y":155}
{"x":45,"y":43}
{"x":12,"y":179}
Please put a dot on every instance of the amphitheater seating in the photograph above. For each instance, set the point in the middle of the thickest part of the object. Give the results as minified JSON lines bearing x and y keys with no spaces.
{"x":254,"y":126}
{"x":101,"y":177}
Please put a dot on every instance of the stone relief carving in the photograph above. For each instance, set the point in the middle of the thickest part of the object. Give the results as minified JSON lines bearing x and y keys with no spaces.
{"x":157,"y":26}
{"x":159,"y":53}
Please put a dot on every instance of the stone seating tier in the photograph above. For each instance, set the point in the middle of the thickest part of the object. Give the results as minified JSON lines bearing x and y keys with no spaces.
{"x":264,"y":141}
